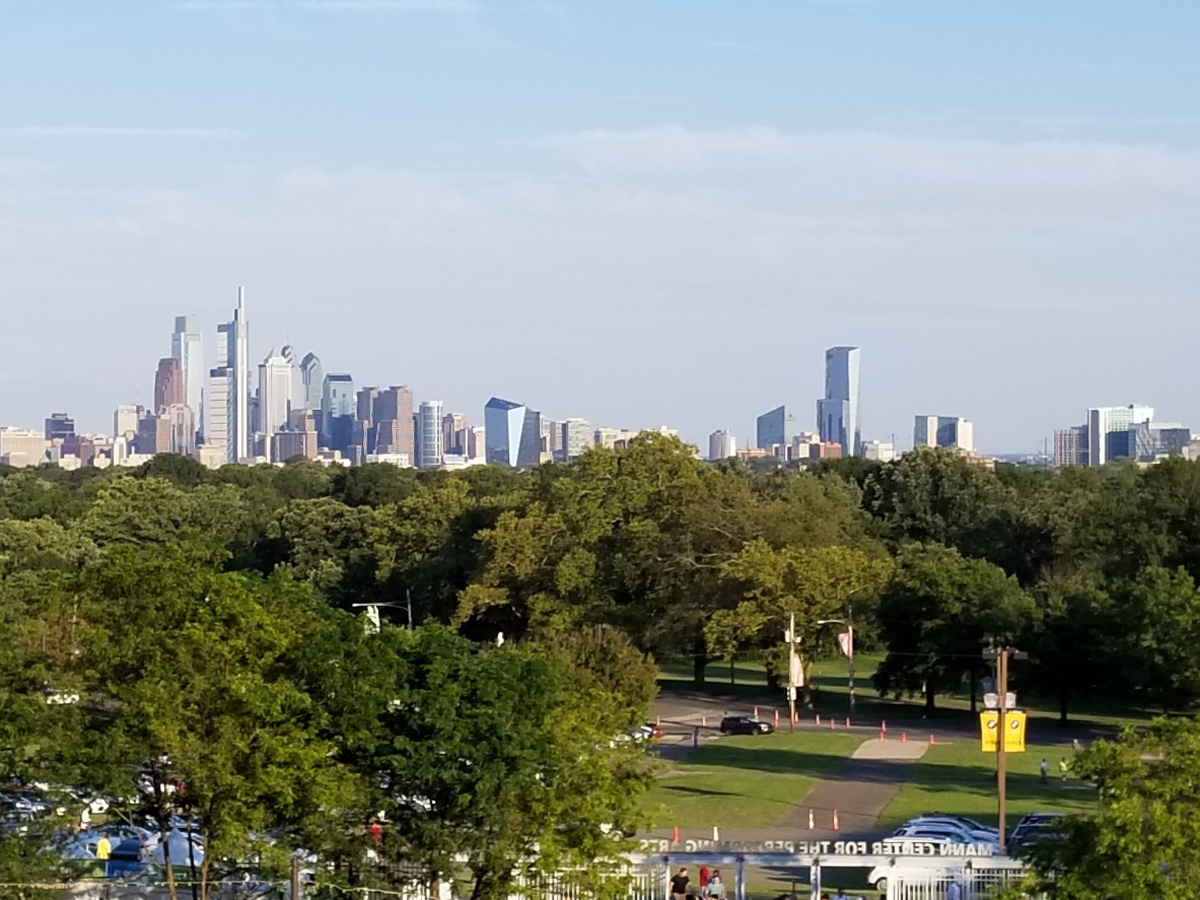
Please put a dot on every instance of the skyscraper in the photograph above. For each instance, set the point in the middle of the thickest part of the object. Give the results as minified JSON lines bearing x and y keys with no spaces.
{"x":337,"y":411}
{"x":168,"y":385}
{"x":276,"y":380}
{"x":392,"y":422}
{"x":837,"y":412}
{"x":187,"y":348}
{"x":231,"y":378}
{"x":1108,"y":431}
{"x":576,"y":437}
{"x":312,"y":378}
{"x":59,"y":426}
{"x":429,"y":434}
{"x":721,"y":445}
{"x":454,"y":434}
{"x":775,"y":429}
{"x":513,"y":433}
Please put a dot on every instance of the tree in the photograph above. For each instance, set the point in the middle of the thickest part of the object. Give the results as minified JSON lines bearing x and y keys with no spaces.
{"x":935,"y":614}
{"x":1144,"y":838}
{"x":497,"y":759}
{"x":1161,"y":619}
{"x":804,"y":584}
{"x":193,"y":678}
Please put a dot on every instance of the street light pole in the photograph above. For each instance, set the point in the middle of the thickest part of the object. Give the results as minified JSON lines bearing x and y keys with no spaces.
{"x":1001,"y":770}
{"x":850,"y":655}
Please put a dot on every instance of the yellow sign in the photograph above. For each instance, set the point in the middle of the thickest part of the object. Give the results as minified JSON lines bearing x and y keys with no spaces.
{"x":1014,"y":731}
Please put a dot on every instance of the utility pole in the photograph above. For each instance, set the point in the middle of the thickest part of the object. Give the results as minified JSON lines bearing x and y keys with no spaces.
{"x":850,"y":654}
{"x":791,"y":638}
{"x":1001,"y":771}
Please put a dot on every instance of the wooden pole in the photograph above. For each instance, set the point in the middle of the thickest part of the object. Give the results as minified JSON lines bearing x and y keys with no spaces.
{"x":791,"y":680}
{"x":1001,"y":768}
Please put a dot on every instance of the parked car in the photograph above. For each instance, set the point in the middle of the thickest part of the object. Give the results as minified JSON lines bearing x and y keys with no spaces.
{"x":1031,"y":829}
{"x":948,"y":834}
{"x":968,"y":827}
{"x":745,"y":725}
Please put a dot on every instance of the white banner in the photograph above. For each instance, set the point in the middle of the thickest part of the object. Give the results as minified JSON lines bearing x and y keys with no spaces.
{"x":846,"y":642}
{"x":797,"y":672}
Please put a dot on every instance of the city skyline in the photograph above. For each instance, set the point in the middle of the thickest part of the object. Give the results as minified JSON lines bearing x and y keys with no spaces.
{"x":592,"y":214}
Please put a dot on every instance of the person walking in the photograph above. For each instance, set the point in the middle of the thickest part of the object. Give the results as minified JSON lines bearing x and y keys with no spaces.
{"x":1044,"y":768}
{"x":1063,"y":766}
{"x":679,"y":884}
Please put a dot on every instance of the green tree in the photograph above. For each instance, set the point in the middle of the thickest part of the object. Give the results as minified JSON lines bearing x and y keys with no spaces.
{"x":1144,"y":838}
{"x":495,"y":760}
{"x":194,"y":677}
{"x":934,"y":616}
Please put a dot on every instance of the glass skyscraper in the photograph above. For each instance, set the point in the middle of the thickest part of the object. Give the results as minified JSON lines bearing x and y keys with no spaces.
{"x":513,"y":433}
{"x":837,"y":412}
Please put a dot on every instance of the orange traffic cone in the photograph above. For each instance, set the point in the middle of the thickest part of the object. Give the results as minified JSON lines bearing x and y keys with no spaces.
{"x":836,"y":825}
{"x":675,"y":835}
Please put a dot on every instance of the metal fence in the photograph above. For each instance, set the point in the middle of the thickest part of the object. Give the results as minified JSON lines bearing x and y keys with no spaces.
{"x":978,"y":884}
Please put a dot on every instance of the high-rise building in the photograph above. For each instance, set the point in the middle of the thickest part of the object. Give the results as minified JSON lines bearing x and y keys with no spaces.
{"x":276,"y":380}
{"x":187,"y":349}
{"x":393,"y":424}
{"x":168,"y":384}
{"x":181,"y":428}
{"x":430,"y":448}
{"x":312,"y":378}
{"x":154,"y":434}
{"x":576,"y":437}
{"x":125,"y":421}
{"x":837,"y":412}
{"x":337,"y":412}
{"x":721,"y":445}
{"x":231,"y":378}
{"x":775,"y":429}
{"x":1071,"y":447}
{"x":477,"y":443}
{"x":1108,"y":431}
{"x":944,"y":431}
{"x":20,"y":447}
{"x":59,"y":427}
{"x":513,"y":433}
{"x":880,"y":451}
{"x":454,"y":434}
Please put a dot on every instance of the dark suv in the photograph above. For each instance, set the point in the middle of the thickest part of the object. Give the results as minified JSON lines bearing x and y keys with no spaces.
{"x":745,"y":725}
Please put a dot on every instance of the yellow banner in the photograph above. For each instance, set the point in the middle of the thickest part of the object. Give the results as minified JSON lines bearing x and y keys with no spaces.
{"x":1014,"y":731}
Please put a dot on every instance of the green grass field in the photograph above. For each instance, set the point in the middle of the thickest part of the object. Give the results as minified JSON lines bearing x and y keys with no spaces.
{"x":961,"y":779}
{"x":745,"y":782}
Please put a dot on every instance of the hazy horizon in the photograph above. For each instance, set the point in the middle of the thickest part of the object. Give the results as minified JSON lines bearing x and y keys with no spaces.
{"x":639,"y":216}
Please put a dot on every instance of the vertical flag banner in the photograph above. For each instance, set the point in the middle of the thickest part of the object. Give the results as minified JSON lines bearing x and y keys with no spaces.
{"x":1014,"y":731}
{"x":846,"y":642}
{"x":797,"y":672}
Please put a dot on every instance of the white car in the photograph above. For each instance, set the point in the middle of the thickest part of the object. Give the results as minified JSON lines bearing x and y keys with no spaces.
{"x":948,"y":834}
{"x":978,"y":833}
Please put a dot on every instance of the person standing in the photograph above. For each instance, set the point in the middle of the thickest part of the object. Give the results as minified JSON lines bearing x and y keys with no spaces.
{"x":704,"y":876}
{"x":715,"y":887}
{"x":1044,"y":768}
{"x":954,"y":892}
{"x":1063,"y":766}
{"x":103,"y":847}
{"x":679,"y":884}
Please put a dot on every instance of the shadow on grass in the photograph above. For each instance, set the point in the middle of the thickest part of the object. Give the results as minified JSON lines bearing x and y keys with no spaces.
{"x":775,"y":760}
{"x":680,"y":789}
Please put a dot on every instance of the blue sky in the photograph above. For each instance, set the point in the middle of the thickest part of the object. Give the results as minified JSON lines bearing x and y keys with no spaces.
{"x":638,"y":213}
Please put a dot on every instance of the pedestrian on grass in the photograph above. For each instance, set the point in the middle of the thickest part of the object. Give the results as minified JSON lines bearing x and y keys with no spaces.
{"x":1063,"y":765}
{"x":679,"y":885}
{"x":1044,"y":768}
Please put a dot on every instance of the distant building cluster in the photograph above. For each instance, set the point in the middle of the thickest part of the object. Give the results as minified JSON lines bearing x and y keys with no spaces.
{"x":1122,"y":432}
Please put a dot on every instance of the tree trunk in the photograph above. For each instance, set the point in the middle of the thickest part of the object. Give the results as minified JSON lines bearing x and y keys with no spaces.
{"x":699,"y":658}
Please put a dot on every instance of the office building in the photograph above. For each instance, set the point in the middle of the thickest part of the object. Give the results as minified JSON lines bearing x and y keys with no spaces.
{"x":1071,"y":447}
{"x":721,"y":445}
{"x":837,"y":412}
{"x":276,"y":381}
{"x":477,"y":444}
{"x":312,"y":383}
{"x":168,"y":384}
{"x":20,"y":447}
{"x":154,"y":435}
{"x":613,"y":438}
{"x":229,"y":387}
{"x":1109,"y":430}
{"x":880,"y":451}
{"x":187,"y":349}
{"x":513,"y":433}
{"x":576,"y":437}
{"x":454,"y":435}
{"x":125,"y":421}
{"x":948,"y":432}
{"x":1154,"y":440}
{"x":429,"y":435}
{"x":551,"y":439}
{"x":59,"y":426}
{"x":337,"y":412}
{"x":393,"y":422}
{"x":181,"y":428}
{"x":775,"y":429}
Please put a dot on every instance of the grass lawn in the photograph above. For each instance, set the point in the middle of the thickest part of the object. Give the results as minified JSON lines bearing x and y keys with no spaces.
{"x":745,"y":782}
{"x":960,"y":779}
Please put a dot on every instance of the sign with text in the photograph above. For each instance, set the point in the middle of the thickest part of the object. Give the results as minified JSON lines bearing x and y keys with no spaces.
{"x":1014,"y":732}
{"x":885,"y":847}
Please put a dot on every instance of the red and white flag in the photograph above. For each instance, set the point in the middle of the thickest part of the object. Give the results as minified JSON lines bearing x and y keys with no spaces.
{"x":846,"y":642}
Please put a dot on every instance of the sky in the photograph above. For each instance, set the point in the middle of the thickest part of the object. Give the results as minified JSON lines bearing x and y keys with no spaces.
{"x":638,"y":213}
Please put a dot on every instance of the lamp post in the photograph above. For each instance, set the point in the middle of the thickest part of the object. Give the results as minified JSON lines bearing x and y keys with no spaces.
{"x":1001,"y":656}
{"x":849,"y":623}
